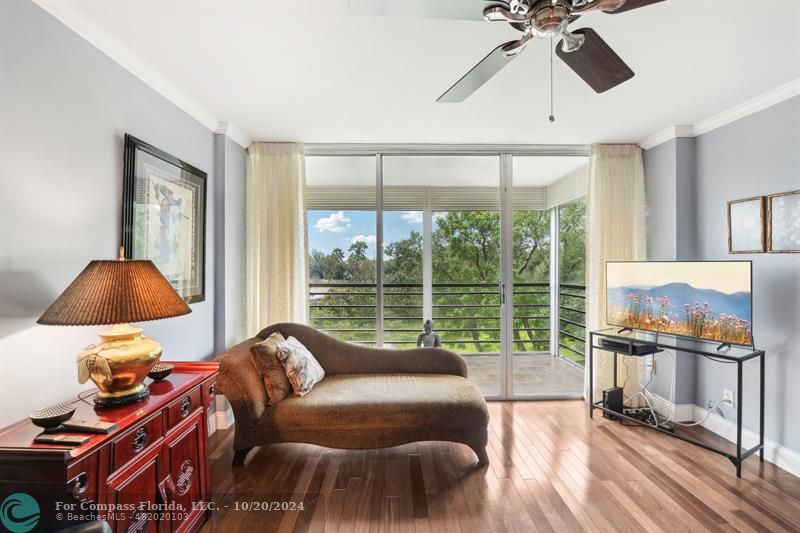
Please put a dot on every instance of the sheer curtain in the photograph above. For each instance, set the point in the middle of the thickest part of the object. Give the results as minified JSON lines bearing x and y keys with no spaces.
{"x":615,"y":232}
{"x":275,"y":235}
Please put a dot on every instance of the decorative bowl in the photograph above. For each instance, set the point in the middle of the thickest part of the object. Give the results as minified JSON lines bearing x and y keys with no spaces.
{"x":160,"y":371}
{"x":52,"y":416}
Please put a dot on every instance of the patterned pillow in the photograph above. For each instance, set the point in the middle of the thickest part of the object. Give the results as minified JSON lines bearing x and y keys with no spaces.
{"x":265,"y":358}
{"x":301,"y":368}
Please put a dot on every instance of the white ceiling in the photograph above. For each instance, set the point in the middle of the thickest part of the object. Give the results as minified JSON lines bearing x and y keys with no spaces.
{"x":311,"y":71}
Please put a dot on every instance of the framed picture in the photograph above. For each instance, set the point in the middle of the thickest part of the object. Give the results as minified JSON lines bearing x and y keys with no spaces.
{"x":164,"y":216}
{"x":784,"y":222}
{"x":746,"y":229}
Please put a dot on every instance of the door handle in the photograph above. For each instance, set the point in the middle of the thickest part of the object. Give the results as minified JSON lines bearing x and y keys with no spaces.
{"x":166,"y":489}
{"x":502,"y":293}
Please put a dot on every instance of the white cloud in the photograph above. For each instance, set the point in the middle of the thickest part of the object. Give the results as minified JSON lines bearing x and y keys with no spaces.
{"x":369,"y":239}
{"x":412,"y":217}
{"x":336,"y":223}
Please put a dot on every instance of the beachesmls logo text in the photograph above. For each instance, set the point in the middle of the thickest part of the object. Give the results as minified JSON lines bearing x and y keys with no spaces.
{"x":19,"y":513}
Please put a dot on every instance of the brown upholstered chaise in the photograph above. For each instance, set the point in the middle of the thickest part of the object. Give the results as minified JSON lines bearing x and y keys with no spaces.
{"x":369,"y":398}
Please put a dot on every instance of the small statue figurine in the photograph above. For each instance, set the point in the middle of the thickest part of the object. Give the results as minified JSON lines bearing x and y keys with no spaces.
{"x":429,"y":339}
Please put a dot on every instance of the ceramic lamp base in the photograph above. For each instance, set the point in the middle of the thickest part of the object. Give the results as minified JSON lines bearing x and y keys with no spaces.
{"x":119,"y":365}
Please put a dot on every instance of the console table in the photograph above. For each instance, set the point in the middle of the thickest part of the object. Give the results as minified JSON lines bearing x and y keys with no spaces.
{"x":151,"y":473}
{"x":737,"y":355}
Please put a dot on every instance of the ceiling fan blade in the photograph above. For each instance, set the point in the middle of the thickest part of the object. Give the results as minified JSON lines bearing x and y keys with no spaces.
{"x":630,"y":5}
{"x":478,"y":75}
{"x":595,"y":62}
{"x":447,"y":9}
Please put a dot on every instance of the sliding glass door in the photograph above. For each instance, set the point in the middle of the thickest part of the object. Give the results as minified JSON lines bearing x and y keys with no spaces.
{"x":538,"y":369}
{"x":488,"y":247}
{"x":441,"y":229}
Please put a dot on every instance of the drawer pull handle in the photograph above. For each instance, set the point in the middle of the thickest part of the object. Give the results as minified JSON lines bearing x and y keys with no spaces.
{"x":79,"y":484}
{"x":186,"y":405}
{"x":140,"y":439}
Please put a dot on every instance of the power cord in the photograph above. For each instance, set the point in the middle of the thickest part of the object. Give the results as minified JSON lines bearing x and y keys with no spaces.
{"x":699,"y":422}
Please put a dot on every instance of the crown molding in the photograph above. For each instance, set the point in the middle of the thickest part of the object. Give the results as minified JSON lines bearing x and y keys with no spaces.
{"x":234,"y":133}
{"x":759,"y":103}
{"x":673,"y":132}
{"x":65,"y":12}
{"x":754,"y":105}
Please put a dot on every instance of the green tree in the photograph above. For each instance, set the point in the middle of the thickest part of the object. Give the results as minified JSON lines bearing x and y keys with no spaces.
{"x":403,"y":260}
{"x":466,"y":251}
{"x":359,"y":268}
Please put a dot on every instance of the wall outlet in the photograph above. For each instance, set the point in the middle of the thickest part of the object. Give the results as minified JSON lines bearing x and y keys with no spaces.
{"x":728,"y":396}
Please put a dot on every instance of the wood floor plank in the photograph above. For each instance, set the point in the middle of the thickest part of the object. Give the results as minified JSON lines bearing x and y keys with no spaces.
{"x":552,"y":469}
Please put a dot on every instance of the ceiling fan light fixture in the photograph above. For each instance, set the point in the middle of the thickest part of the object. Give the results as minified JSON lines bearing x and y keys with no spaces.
{"x":550,"y":19}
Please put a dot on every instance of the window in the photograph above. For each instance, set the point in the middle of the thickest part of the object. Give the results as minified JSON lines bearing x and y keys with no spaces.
{"x":342,"y":269}
{"x":572,"y":274}
{"x":428,"y":243}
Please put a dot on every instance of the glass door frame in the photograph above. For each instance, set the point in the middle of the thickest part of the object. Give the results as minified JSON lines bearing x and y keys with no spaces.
{"x":505,"y":154}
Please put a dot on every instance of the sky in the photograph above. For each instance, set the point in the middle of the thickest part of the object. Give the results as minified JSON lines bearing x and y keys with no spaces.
{"x":724,"y":276}
{"x":339,"y":229}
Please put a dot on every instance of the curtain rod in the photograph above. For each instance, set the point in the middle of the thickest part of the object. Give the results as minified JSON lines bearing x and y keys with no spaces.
{"x":366,"y":149}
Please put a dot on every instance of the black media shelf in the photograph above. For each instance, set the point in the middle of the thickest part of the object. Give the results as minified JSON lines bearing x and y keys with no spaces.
{"x":624,"y":346}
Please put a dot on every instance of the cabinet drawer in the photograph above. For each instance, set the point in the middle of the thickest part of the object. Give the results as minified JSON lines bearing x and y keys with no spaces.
{"x":83,"y":477}
{"x":136,"y":440}
{"x":183,"y":407}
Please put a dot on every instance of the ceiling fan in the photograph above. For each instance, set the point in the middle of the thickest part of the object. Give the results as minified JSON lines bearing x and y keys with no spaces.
{"x":583,"y":50}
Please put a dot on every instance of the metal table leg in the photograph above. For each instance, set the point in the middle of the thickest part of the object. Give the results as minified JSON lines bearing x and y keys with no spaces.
{"x":591,"y":377}
{"x":761,"y":412}
{"x":739,"y":419}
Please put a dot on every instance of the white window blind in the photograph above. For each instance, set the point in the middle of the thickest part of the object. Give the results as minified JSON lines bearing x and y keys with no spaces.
{"x":571,"y":187}
{"x":422,"y":198}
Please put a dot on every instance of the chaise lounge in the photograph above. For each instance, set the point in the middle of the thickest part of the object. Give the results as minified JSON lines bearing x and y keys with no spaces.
{"x":369,"y":398}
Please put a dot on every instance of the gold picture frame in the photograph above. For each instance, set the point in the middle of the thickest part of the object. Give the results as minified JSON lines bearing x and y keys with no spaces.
{"x":740,"y":213}
{"x":790,"y":222}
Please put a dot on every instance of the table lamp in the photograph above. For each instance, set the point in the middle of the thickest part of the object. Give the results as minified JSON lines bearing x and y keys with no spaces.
{"x":116,"y":293}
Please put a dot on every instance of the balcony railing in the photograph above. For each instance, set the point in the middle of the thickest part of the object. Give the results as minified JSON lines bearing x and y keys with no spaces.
{"x":466,"y":315}
{"x":572,"y":322}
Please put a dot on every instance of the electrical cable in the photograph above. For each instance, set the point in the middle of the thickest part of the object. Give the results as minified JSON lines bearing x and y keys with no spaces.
{"x":699,"y":422}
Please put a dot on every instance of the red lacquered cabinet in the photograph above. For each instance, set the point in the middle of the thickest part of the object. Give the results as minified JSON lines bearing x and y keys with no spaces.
{"x":150,"y":475}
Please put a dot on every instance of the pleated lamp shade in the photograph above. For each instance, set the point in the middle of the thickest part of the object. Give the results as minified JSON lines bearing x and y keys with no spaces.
{"x":115,"y":292}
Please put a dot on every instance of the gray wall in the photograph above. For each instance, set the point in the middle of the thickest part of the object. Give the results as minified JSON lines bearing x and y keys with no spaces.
{"x":669,"y":175}
{"x":230,"y":167}
{"x":64,"y":108}
{"x":757,"y":155}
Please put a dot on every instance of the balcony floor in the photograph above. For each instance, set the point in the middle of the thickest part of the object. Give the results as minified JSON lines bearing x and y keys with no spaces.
{"x":540,"y":374}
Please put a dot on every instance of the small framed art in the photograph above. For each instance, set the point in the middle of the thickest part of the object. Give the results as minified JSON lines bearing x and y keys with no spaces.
{"x":783,"y":223}
{"x":746,"y":228}
{"x":164,"y":216}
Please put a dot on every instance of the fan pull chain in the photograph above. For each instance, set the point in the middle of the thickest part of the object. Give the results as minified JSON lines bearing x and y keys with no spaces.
{"x":552,"y":114}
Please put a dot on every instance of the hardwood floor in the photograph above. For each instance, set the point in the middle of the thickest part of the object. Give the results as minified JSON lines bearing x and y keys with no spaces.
{"x":552,"y":469}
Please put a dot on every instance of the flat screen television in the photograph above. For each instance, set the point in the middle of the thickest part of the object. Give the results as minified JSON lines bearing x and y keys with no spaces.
{"x":711,"y":300}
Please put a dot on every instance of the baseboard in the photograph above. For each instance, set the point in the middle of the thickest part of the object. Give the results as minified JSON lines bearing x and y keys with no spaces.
{"x":683,"y":411}
{"x":221,"y":417}
{"x":212,"y":422}
{"x":774,"y":453}
{"x":224,"y":413}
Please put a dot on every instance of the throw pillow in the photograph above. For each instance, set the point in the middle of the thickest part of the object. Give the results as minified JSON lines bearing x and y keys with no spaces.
{"x":265,"y":358}
{"x":301,"y":368}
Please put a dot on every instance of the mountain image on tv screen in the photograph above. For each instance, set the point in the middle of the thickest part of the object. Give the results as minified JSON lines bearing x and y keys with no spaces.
{"x":706,"y":300}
